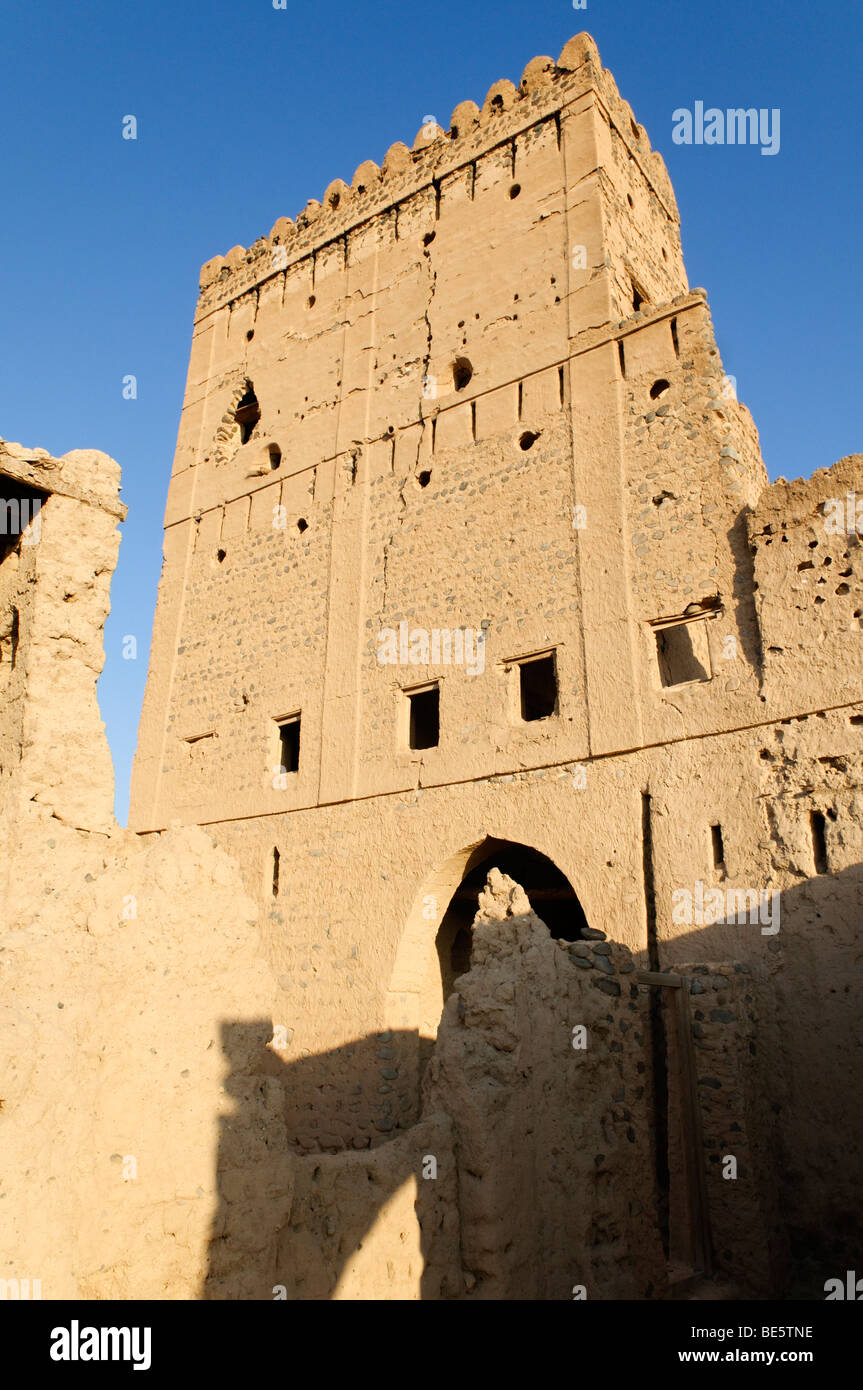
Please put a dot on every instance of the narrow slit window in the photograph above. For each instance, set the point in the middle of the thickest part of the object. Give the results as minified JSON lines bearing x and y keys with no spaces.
{"x":538,"y":688}
{"x":289,"y":744}
{"x":717,"y":846}
{"x":276,"y":858}
{"x":819,"y":841}
{"x":424,"y":717}
{"x":622,"y":355}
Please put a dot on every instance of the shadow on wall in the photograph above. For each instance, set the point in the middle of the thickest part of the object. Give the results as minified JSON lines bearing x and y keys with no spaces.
{"x":335,"y":1199}
{"x":808,"y":1045}
{"x":330,"y":1187}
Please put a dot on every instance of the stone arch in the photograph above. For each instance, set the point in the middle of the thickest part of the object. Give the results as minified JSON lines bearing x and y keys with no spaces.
{"x":448,"y":896}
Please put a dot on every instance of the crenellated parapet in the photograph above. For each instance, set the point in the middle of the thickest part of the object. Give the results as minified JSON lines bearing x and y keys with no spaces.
{"x":508,"y":112}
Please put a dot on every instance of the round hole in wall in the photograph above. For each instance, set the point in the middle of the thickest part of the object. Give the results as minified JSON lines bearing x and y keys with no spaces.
{"x":462,"y":371}
{"x":528,"y":439}
{"x":274,"y":454}
{"x":220,"y":555}
{"x":424,"y":478}
{"x":515,"y":190}
{"x":250,"y":335}
{"x":659,"y":388}
{"x":302,"y":525}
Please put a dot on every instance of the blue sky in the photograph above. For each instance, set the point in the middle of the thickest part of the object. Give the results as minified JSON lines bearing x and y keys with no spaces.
{"x":245,"y":112}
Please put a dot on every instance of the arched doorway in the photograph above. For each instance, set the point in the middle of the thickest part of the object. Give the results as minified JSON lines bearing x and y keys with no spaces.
{"x":551,"y":896}
{"x":549,"y":891}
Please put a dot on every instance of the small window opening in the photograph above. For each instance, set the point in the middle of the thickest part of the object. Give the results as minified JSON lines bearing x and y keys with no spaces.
{"x":289,"y":744}
{"x":9,"y":641}
{"x":520,"y":397}
{"x":302,"y":525}
{"x":515,"y":190}
{"x":675,"y":341}
{"x":528,"y":439}
{"x":462,"y":371}
{"x":684,"y":653}
{"x":637,"y":298}
{"x":622,"y":356}
{"x":538,"y":688}
{"x":275,"y":454}
{"x":659,"y":388}
{"x":250,"y":335}
{"x":424,"y":478}
{"x":428,"y":238}
{"x":717,"y":846}
{"x":819,"y":841}
{"x":247,"y":413}
{"x":424,"y":717}
{"x":561,"y":384}
{"x":220,"y":555}
{"x":276,"y":857}
{"x":310,"y":302}
{"x":473,"y":429}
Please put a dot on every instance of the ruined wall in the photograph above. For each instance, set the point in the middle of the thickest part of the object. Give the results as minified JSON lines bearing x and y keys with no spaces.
{"x":54,"y":586}
{"x":530,"y":1169}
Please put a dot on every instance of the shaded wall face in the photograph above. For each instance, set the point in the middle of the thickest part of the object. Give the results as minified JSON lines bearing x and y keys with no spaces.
{"x":529,"y":1172}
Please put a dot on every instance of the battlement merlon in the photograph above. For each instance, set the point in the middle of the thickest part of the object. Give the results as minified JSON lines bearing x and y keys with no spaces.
{"x":545,"y":90}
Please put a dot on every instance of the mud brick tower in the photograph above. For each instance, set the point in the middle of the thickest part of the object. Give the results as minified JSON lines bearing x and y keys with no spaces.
{"x":470,"y":402}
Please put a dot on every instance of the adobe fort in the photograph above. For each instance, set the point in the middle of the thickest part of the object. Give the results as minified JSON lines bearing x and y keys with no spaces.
{"x":487,"y":923}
